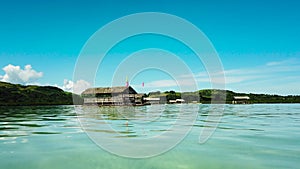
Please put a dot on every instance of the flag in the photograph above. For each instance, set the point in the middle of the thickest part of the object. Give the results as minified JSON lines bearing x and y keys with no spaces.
{"x":143,"y":84}
{"x":127,"y":83}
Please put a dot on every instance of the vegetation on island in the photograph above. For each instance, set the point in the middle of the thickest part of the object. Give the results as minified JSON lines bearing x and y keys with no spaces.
{"x":223,"y":96}
{"x":16,"y":94}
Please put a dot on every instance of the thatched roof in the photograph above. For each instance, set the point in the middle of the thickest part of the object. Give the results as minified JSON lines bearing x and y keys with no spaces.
{"x":108,"y":90}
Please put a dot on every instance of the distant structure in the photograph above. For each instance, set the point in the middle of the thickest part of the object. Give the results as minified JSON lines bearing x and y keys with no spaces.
{"x":177,"y":101}
{"x":241,"y":100}
{"x":151,"y":100}
{"x":122,"y":95}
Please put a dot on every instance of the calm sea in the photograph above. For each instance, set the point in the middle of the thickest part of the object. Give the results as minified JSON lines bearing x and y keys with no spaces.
{"x":248,"y":136}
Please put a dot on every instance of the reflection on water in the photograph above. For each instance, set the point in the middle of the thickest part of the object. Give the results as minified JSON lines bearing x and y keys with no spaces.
{"x":248,"y":136}
{"x":143,"y":121}
{"x":26,"y":120}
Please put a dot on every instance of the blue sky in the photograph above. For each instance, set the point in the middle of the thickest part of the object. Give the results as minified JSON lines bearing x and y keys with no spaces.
{"x":257,"y":41}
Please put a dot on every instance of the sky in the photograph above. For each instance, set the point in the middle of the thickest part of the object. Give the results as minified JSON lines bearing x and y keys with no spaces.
{"x":257,"y":43}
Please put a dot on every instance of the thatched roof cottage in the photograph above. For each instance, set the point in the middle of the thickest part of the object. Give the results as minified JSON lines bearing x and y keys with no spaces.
{"x":120,"y":95}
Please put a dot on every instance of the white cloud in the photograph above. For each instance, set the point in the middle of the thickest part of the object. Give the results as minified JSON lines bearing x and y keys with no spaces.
{"x":76,"y":87}
{"x":169,"y":84}
{"x":15,"y":74}
{"x":273,"y":77}
{"x":68,"y":85}
{"x":161,"y":83}
{"x":258,"y":73}
{"x":273,"y":63}
{"x":283,"y":62}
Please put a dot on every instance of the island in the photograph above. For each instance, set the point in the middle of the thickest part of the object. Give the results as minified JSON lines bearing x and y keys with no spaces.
{"x":126,"y":95}
{"x":20,"y":95}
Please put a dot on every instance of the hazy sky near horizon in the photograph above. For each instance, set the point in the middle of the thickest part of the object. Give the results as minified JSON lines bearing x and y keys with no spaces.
{"x":257,"y":41}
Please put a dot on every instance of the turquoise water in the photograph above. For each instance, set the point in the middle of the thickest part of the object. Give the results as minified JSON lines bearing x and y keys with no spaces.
{"x":248,"y":136}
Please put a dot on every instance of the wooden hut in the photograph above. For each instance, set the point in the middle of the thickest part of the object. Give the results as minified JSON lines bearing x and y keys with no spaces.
{"x":121,"y":95}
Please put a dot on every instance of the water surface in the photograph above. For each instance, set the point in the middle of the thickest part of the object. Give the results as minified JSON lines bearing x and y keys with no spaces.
{"x":248,"y":136}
